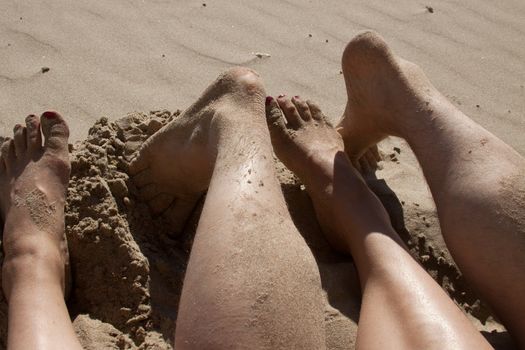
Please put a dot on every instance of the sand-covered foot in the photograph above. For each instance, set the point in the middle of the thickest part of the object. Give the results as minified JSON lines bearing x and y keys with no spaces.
{"x":385,"y":92}
{"x":33,"y":185}
{"x":308,"y":145}
{"x":173,"y":168}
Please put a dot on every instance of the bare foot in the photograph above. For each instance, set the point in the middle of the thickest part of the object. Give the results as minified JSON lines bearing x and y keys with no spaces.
{"x":174,"y":167}
{"x":308,"y":145}
{"x":382,"y":90}
{"x":33,"y":184}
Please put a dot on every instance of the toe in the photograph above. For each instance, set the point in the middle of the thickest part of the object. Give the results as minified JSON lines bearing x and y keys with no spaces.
{"x":316,"y":112}
{"x":372,"y":161}
{"x":8,"y":153}
{"x":179,"y":213}
{"x":302,"y":108}
{"x":143,"y":178}
{"x":56,"y":133}
{"x":374,"y":150}
{"x":20,"y":140}
{"x":140,"y":162}
{"x":274,"y":115}
{"x":34,"y":137}
{"x":160,"y":203}
{"x":291,"y":114}
{"x":149,"y":192}
{"x":365,"y":166}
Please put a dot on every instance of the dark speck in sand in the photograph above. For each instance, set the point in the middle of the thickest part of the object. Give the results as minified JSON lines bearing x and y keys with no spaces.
{"x":204,"y":5}
{"x":430,"y":9}
{"x":310,"y":35}
{"x":326,"y":40}
{"x":477,"y":106}
{"x":163,"y":55}
{"x":20,"y":18}
{"x":45,"y":69}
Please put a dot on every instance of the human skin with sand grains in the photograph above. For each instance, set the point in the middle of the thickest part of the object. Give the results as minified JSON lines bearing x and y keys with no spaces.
{"x":252,"y":282}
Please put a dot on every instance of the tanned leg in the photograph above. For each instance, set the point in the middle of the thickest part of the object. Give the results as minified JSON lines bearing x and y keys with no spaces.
{"x":251,"y":282}
{"x":477,"y":181}
{"x":33,"y":183}
{"x":402,"y":307}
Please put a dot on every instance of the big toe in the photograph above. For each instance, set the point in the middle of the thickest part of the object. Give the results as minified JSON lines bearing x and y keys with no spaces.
{"x":275,"y":118}
{"x":55,"y":131}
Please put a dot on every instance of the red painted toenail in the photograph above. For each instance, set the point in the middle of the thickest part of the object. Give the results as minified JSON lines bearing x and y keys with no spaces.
{"x":269,"y":99}
{"x":49,"y":115}
{"x":296,"y":97}
{"x":282,"y":95}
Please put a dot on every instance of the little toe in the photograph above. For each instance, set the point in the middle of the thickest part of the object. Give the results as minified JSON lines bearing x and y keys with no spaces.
{"x":291,"y":114}
{"x":316,"y":112}
{"x":143,"y":178}
{"x":20,"y":140}
{"x":34,"y":136}
{"x":302,"y":108}
{"x":56,"y":133}
{"x":179,"y":212}
{"x":160,"y":203}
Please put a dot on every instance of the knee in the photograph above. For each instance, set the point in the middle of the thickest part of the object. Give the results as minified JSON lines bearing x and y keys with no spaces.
{"x":365,"y":47}
{"x":244,"y":79}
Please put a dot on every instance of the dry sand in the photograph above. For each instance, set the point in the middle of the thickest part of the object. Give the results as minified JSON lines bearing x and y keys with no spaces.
{"x":109,"y":58}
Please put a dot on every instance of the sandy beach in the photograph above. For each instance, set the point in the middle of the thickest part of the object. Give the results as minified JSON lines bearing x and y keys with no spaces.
{"x":106,"y":65}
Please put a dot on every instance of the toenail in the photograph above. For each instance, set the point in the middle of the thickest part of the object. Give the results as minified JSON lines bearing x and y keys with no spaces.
{"x":282,"y":95}
{"x":269,"y":99}
{"x":49,"y":115}
{"x":17,"y":126}
{"x":296,"y":97}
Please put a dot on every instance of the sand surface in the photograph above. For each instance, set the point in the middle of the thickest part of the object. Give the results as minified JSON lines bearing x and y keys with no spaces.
{"x":111,"y":58}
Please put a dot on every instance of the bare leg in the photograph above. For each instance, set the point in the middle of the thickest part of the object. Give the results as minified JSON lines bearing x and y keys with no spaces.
{"x":402,"y":307}
{"x":33,"y":183}
{"x":477,"y":181}
{"x":251,"y":281}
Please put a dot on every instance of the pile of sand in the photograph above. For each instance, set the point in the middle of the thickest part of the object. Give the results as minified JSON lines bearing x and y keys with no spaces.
{"x":128,"y":266}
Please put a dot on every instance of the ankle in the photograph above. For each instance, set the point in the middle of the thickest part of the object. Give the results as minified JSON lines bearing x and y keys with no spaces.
{"x":32,"y":261}
{"x":31,"y":270}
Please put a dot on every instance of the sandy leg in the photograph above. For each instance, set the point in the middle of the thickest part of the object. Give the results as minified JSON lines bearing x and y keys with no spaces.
{"x":477,"y":181}
{"x":251,"y":281}
{"x":33,"y":183}
{"x":402,"y":307}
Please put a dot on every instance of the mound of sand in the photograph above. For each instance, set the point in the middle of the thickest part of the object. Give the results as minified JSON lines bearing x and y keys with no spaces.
{"x":128,"y":266}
